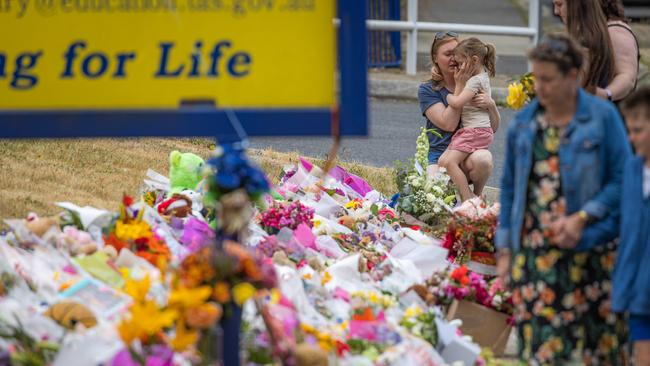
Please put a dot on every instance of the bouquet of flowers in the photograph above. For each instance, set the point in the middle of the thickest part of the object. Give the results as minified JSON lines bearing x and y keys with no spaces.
{"x":470,"y":232}
{"x":132,"y":232}
{"x":148,"y":326}
{"x":426,"y":198}
{"x":521,"y":92}
{"x":443,"y":287}
{"x":368,"y":332}
{"x":421,"y":323}
{"x":289,"y":215}
{"x":233,"y":184}
{"x":231,"y":170}
{"x":233,"y":274}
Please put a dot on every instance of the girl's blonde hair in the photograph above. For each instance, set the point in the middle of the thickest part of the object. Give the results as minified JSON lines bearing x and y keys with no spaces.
{"x":486,"y":52}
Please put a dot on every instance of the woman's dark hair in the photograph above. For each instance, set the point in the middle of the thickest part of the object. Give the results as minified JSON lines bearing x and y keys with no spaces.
{"x":587,"y":24}
{"x":560,"y":50}
{"x":613,"y":9}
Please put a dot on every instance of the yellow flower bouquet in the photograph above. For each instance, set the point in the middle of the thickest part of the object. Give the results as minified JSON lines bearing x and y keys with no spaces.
{"x":521,"y":92}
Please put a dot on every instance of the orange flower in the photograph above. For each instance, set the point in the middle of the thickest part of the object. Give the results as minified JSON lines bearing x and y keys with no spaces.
{"x":607,"y":261}
{"x":553,"y":164}
{"x":252,"y":270}
{"x":221,"y":292}
{"x":460,"y":275}
{"x":516,"y":296}
{"x":235,"y":249}
{"x":548,"y":296}
{"x":367,"y":315}
{"x":113,"y":241}
{"x":529,"y":293}
{"x":579,"y":297}
{"x":203,"y":316}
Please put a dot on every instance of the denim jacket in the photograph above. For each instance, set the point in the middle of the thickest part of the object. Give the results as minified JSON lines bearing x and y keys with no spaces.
{"x":631,"y":277}
{"x":592,"y":154}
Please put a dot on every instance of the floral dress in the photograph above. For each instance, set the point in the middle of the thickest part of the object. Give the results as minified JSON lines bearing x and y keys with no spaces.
{"x":561,"y":296}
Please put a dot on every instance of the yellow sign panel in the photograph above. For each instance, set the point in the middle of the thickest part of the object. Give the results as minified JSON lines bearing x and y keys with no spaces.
{"x":81,"y":54}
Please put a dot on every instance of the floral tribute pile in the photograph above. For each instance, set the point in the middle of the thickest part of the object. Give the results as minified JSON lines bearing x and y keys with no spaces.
{"x":319,"y":269}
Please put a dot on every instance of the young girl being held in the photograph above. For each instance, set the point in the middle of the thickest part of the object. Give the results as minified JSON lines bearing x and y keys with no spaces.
{"x":475,"y":132}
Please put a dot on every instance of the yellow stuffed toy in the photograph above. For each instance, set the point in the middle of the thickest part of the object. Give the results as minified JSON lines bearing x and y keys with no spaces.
{"x":69,"y":313}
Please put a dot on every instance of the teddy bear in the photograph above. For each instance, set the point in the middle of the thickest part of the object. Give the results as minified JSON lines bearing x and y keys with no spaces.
{"x":185,"y":171}
{"x":177,"y":205}
{"x":76,"y":241}
{"x":41,"y":225}
{"x":69,"y":314}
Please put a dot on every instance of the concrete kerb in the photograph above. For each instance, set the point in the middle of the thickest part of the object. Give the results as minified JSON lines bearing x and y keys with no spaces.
{"x":408,"y":89}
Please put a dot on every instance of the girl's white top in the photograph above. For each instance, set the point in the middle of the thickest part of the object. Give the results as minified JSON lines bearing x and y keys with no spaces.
{"x":473,"y":117}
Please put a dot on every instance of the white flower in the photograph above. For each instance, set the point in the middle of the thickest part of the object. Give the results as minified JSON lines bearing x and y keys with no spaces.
{"x":497,"y":300}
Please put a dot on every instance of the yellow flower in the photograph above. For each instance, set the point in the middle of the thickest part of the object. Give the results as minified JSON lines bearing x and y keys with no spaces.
{"x":528,"y":332}
{"x":516,"y":96}
{"x":354,"y":204}
{"x":184,"y":337}
{"x":580,"y":259}
{"x":189,"y":297}
{"x":520,"y":260}
{"x":373,"y":298}
{"x":552,"y":141}
{"x":607,"y":343}
{"x":529,"y":84}
{"x":132,"y":230}
{"x":344,"y":326}
{"x":576,"y":274}
{"x":516,"y":273}
{"x":327,"y":277}
{"x":556,"y":345}
{"x":242,"y":292}
{"x":307,"y":328}
{"x":275,"y":296}
{"x":145,"y":320}
{"x":412,"y":311}
{"x":317,"y":223}
{"x":149,"y":198}
{"x":137,"y":289}
{"x":545,"y":263}
{"x":548,"y":313}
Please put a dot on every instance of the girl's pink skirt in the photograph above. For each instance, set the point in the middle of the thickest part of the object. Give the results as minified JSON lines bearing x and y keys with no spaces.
{"x":469,"y":140}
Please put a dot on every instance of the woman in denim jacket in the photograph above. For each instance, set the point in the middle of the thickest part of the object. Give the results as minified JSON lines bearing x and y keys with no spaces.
{"x":560,"y":195}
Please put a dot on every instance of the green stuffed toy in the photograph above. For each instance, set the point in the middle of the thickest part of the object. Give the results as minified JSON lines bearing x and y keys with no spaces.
{"x":185,"y":171}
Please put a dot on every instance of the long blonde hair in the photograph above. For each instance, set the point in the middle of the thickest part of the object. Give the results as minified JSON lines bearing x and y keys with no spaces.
{"x":486,"y":52}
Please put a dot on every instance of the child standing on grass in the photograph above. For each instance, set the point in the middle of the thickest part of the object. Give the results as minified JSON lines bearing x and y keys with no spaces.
{"x":631,"y":279}
{"x":475,"y":132}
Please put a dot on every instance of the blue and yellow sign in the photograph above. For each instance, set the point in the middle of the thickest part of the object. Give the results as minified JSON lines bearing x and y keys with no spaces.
{"x":155,"y":53}
{"x":102,"y":60}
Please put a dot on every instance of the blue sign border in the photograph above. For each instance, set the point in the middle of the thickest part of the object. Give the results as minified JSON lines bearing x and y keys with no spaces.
{"x":210,"y":121}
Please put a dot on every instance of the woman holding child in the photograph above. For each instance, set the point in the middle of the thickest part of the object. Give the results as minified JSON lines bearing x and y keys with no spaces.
{"x":446,"y":78}
{"x":560,"y":196}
